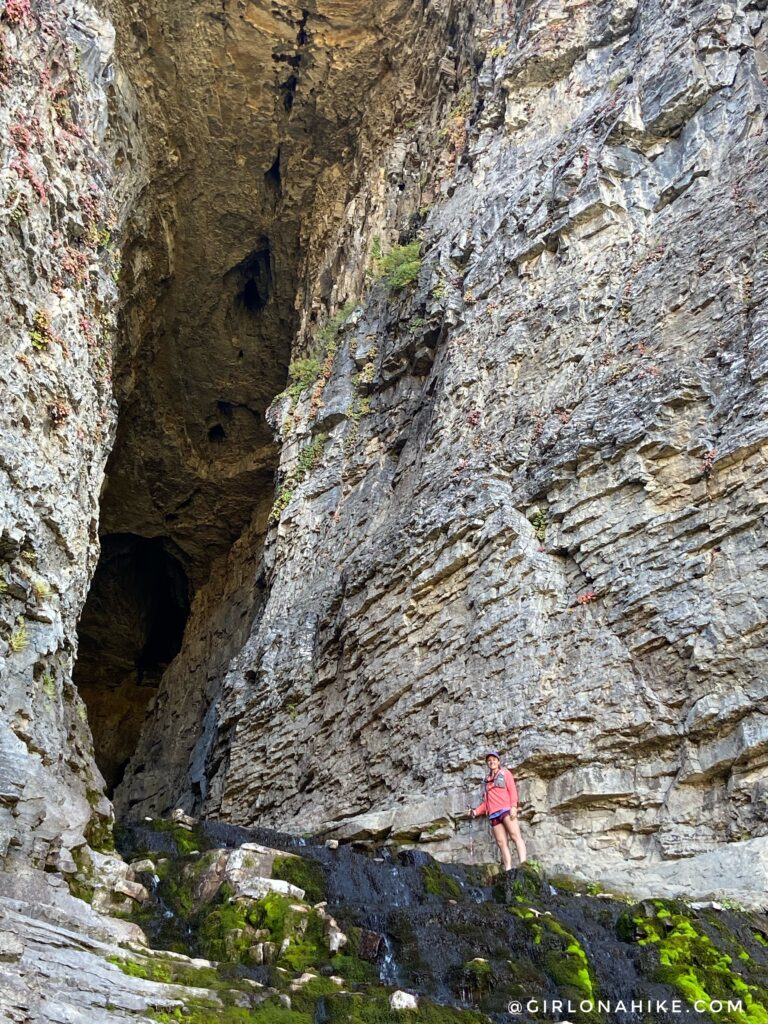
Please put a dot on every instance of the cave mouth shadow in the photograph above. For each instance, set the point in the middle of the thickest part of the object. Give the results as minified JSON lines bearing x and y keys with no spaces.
{"x":130,"y":630}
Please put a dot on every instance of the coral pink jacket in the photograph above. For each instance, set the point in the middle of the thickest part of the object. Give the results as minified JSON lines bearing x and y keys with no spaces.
{"x":500,"y":793}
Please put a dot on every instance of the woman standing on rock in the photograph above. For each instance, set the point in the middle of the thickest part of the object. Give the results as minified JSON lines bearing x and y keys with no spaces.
{"x":500,"y":804}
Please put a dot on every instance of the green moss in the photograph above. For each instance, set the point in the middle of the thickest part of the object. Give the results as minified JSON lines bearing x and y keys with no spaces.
{"x":477,"y":967}
{"x":438,"y":883}
{"x":352,"y":968}
{"x":429,"y":1013}
{"x":570,"y":972}
{"x":563,"y":883}
{"x":305,"y":874}
{"x":701,"y":972}
{"x":225,"y":933}
{"x":481,"y":874}
{"x":305,"y":999}
{"x":267,"y":1013}
{"x":307,"y":946}
{"x":149,"y":971}
{"x":81,"y":890}
{"x":99,"y":831}
{"x":177,"y":892}
{"x":531,"y":921}
{"x":186,"y":841}
{"x":564,"y":958}
{"x":523,"y":883}
{"x":477,"y":975}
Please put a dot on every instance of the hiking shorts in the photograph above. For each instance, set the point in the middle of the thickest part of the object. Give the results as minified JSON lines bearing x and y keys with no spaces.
{"x":498,"y":816}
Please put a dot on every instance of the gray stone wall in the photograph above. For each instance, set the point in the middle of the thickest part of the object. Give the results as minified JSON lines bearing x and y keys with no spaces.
{"x":61,"y":204}
{"x":538,"y":517}
{"x":521,"y":502}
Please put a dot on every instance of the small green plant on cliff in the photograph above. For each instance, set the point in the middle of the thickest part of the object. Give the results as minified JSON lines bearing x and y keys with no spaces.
{"x":360,"y":405}
{"x":400,"y":267}
{"x":316,"y":369}
{"x":539,"y":523}
{"x":281,"y":502}
{"x":41,"y":589}
{"x":308,"y":458}
{"x":302,"y":374}
{"x":328,"y":336}
{"x":438,"y":290}
{"x":41,"y":332}
{"x":19,"y":639}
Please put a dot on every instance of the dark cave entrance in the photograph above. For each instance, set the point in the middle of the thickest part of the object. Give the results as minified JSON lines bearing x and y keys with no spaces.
{"x":130,"y":630}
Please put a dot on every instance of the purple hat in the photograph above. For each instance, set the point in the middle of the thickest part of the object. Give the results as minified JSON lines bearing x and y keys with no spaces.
{"x":493,"y":753}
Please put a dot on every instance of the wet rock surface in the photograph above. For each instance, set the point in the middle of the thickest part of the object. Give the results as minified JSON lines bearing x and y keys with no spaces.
{"x":455,"y":944}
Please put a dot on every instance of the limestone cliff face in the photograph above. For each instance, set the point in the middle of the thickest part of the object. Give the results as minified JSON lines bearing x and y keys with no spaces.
{"x":523,"y":502}
{"x":61,"y":210}
{"x":516,"y":256}
{"x":173,"y":155}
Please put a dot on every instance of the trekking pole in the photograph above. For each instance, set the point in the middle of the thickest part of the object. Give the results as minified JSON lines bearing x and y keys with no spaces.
{"x":471,"y":833}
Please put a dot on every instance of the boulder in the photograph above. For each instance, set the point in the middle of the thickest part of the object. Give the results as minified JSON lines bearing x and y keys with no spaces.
{"x":403,"y":1001}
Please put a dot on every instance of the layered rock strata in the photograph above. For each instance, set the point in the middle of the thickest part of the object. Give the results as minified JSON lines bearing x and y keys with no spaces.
{"x":249,"y":115}
{"x":523,"y":502}
{"x":518,"y":259}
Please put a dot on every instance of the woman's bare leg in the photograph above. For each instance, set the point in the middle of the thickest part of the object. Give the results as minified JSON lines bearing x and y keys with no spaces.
{"x":512,"y":828}
{"x":502,"y":841}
